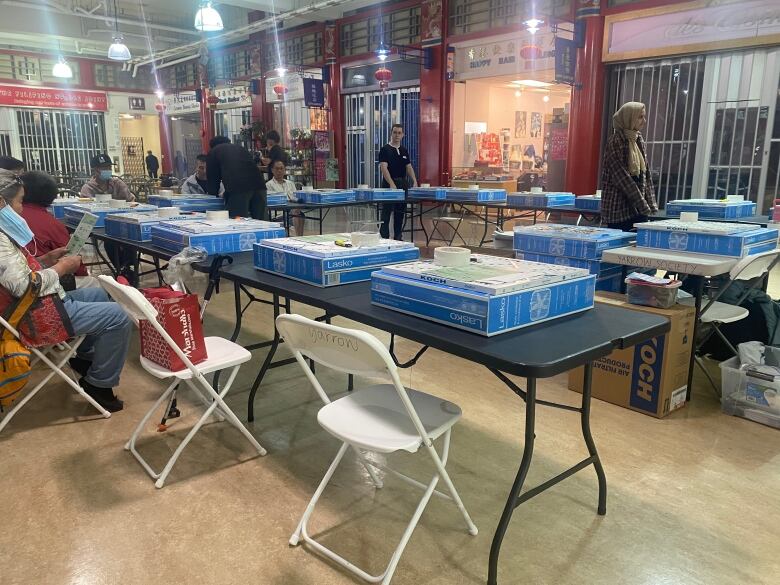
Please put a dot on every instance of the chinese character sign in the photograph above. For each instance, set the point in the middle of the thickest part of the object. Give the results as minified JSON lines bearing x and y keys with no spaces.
{"x":565,"y":60}
{"x":313,"y":93}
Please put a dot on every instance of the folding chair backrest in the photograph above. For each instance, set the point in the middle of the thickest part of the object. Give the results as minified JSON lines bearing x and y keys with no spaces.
{"x":751,"y":267}
{"x":138,"y":307}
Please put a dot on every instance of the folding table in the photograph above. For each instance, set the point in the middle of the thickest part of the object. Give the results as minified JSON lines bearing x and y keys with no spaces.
{"x":535,"y":352}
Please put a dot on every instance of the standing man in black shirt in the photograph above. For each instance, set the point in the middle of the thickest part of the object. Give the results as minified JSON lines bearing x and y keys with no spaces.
{"x":233,"y":166}
{"x":397,"y":173}
{"x":152,"y":164}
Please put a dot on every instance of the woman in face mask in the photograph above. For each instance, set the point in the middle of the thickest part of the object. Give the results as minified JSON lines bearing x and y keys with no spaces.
{"x":87,"y":311}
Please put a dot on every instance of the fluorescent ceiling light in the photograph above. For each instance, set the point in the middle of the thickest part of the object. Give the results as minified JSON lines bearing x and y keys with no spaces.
{"x":207,"y":19}
{"x":118,"y":50}
{"x":61,"y":69}
{"x":532,"y":83}
{"x":532,"y":25}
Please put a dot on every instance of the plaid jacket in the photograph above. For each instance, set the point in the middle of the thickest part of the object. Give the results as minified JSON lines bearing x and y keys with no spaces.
{"x":621,"y":198}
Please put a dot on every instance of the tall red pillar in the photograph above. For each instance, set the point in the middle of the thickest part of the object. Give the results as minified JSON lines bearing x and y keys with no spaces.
{"x":336,"y":124}
{"x":582,"y":164}
{"x":166,"y":164}
{"x":434,"y":96}
{"x":206,"y":114}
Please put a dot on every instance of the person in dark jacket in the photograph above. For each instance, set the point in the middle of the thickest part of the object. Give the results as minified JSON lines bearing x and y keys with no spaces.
{"x":274,"y":152}
{"x":627,"y":194}
{"x":233,"y":166}
{"x":152,"y":164}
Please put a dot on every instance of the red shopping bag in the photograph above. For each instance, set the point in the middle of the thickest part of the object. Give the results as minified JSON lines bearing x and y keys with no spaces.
{"x":179,"y":315}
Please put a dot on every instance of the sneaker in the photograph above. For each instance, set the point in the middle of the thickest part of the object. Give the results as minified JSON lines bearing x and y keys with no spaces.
{"x":105,"y":397}
{"x":80,"y":365}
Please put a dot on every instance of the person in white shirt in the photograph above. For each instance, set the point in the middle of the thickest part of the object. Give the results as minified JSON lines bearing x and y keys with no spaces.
{"x":196,"y":184}
{"x":278,"y":184}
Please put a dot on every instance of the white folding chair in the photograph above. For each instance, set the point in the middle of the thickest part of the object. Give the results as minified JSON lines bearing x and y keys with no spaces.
{"x":222,"y":354}
{"x":383,"y":418}
{"x":55,"y":365}
{"x":715,"y":313}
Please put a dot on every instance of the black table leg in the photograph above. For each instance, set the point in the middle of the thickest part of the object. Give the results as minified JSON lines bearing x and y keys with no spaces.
{"x":266,"y":363}
{"x":239,"y":311}
{"x":699,"y":290}
{"x":525,"y":465}
{"x":585,"y":424}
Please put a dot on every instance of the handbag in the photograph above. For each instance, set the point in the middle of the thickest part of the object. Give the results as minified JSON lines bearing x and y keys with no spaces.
{"x":179,"y":315}
{"x":15,"y":364}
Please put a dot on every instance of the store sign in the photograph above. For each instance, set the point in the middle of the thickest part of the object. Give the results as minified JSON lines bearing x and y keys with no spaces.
{"x":183,"y":102}
{"x":137,"y":103}
{"x":44,"y":97}
{"x":514,"y":56}
{"x":236,"y":96}
{"x":565,"y":60}
{"x":294,"y":84}
{"x":313,"y":93}
{"x":692,"y":27}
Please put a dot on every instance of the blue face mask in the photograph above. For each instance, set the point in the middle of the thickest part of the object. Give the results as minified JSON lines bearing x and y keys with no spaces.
{"x":14,"y":226}
{"x":105,"y":175}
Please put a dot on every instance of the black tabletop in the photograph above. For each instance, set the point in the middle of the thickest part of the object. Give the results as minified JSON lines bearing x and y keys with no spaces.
{"x":542,"y":350}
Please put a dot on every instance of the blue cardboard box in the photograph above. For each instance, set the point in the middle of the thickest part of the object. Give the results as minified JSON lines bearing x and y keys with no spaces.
{"x":325,"y":196}
{"x":181,"y":200}
{"x":379,"y":194}
{"x":592,"y":266}
{"x":610,"y":282}
{"x":712,"y":208}
{"x":527,"y":199}
{"x":317,"y":260}
{"x":58,"y":206}
{"x":74,"y":213}
{"x":475,"y":195}
{"x":588,"y":203}
{"x":721,"y":239}
{"x":480,"y":312}
{"x":138,"y":226}
{"x":276,"y":200}
{"x":215,"y":236}
{"x":569,"y":240}
{"x":437,"y":193}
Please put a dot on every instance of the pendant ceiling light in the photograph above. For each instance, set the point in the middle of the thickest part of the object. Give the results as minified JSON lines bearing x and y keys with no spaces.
{"x":207,"y":19}
{"x":61,"y":69}
{"x":118,"y":50}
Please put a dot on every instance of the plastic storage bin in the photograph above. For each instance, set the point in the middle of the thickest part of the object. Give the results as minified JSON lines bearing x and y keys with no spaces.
{"x":649,"y":295}
{"x":748,"y":397}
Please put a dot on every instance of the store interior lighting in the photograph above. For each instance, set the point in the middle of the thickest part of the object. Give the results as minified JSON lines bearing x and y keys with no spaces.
{"x":207,"y":19}
{"x":61,"y":69}
{"x":533,"y":24}
{"x":531,"y":83}
{"x":118,"y":50}
{"x":382,"y":52}
{"x":518,"y":93}
{"x":546,"y":98}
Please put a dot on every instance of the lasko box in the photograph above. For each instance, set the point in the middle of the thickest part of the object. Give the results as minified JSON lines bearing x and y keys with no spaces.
{"x":651,"y":377}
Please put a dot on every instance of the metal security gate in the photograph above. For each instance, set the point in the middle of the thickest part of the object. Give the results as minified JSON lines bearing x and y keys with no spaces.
{"x":671,"y":90}
{"x":738,"y":126}
{"x":60,"y":142}
{"x":368,"y":119}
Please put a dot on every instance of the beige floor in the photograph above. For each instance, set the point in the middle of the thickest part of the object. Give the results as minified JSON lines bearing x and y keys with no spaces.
{"x":693,"y":499}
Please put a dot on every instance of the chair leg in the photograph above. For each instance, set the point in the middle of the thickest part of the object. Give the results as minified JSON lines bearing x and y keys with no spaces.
{"x":369,"y":468}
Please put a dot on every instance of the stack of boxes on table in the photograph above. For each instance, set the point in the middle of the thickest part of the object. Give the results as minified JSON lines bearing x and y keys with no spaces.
{"x":575,"y":246}
{"x":473,"y":194}
{"x":187,"y":203}
{"x":311,"y":196}
{"x":733,"y":207}
{"x":540,"y":199}
{"x":588,"y":202}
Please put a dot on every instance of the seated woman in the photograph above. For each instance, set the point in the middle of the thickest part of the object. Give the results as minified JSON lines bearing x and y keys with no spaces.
{"x":40,"y":190}
{"x":102,"y":355}
{"x":278,"y":184}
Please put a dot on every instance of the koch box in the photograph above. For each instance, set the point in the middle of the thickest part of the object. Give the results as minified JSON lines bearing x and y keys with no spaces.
{"x":706,"y":237}
{"x":475,"y":195}
{"x":179,"y":200}
{"x":588,"y":203}
{"x":317,"y":260}
{"x":569,"y":240}
{"x":325,"y":196}
{"x":380,"y":194}
{"x":437,"y":193}
{"x":479,"y":312}
{"x":712,"y":208}
{"x":276,"y":200}
{"x":592,"y":266}
{"x":74,"y":213}
{"x":215,"y":236}
{"x":651,"y":377}
{"x":138,"y":226}
{"x":540,"y":199}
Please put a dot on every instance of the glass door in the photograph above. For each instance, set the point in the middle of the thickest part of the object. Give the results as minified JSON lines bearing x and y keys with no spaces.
{"x":736,"y":128}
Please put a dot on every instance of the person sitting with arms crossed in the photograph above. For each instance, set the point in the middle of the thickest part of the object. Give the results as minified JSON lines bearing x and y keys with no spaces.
{"x":279,"y":184}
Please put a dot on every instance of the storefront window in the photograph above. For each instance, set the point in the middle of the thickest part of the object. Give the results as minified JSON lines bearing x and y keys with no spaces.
{"x":671,"y":90}
{"x":299,"y":50}
{"x":401,"y":27}
{"x":773,"y":177}
{"x":29,"y":68}
{"x":111,"y":75}
{"x":362,"y":76}
{"x":468,"y":16}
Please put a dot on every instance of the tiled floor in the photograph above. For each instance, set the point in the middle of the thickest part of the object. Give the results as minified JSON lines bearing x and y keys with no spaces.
{"x":693,"y":499}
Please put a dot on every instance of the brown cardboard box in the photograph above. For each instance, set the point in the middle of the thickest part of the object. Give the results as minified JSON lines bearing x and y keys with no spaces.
{"x":651,"y":377}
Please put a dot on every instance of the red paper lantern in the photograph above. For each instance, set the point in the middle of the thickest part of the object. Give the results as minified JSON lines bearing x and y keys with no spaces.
{"x":383,"y":75}
{"x":530,"y":52}
{"x":212,"y":101}
{"x":280,"y":89}
{"x":160,"y":107}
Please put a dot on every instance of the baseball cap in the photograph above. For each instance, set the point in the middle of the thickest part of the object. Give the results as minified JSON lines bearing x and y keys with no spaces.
{"x":100,"y":160}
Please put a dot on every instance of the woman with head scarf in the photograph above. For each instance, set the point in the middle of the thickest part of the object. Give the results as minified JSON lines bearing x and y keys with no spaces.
{"x":627,"y":195}
{"x":87,"y":311}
